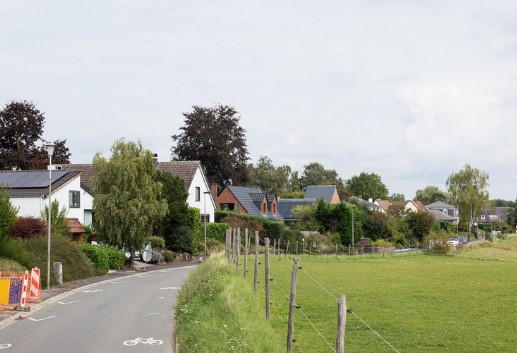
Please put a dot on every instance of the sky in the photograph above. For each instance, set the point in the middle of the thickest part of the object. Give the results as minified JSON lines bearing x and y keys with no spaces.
{"x":410,"y":90}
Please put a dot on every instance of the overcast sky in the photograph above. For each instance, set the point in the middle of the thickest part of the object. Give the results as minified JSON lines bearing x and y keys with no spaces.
{"x":410,"y":90}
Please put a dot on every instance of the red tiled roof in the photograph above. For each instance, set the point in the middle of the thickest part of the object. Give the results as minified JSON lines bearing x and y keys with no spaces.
{"x":74,"y":226}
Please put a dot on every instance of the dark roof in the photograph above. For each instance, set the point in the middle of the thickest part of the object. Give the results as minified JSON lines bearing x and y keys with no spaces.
{"x":185,"y":170}
{"x":286,"y":206}
{"x":320,"y":191}
{"x":250,"y":198}
{"x":440,"y":216}
{"x":369,"y":205}
{"x":87,"y":173}
{"x":34,"y":182}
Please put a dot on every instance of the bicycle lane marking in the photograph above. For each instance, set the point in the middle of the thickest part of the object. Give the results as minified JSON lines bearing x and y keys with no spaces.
{"x":150,"y":341}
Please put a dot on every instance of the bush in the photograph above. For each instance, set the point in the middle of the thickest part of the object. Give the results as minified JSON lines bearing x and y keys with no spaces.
{"x":28,"y":227}
{"x":14,"y":249}
{"x":76,"y":265}
{"x":182,"y":239}
{"x":116,"y":258}
{"x":194,"y":222}
{"x":87,"y":237}
{"x":217,"y":231}
{"x":168,"y":256}
{"x":274,"y":229}
{"x":157,"y":243}
{"x":97,"y":256}
{"x":436,"y":242}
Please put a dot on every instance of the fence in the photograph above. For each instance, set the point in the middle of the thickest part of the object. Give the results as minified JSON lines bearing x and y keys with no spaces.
{"x":233,"y":254}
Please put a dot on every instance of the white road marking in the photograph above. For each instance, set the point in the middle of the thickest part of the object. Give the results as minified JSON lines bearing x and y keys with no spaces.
{"x":150,"y":341}
{"x":75,"y":301}
{"x":92,"y":291}
{"x":5,"y":345}
{"x":152,"y":314}
{"x":169,"y":288}
{"x":45,"y":318}
{"x":118,"y":282}
{"x":161,"y":298}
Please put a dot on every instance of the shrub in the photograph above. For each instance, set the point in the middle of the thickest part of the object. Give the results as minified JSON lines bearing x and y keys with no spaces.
{"x":87,"y":237}
{"x":75,"y":263}
{"x":116,"y":257}
{"x":168,"y":256}
{"x":14,"y":249}
{"x":182,"y":239}
{"x":97,"y":256}
{"x":157,"y":243}
{"x":194,"y":222}
{"x":437,"y":242}
{"x":28,"y":227}
{"x":217,"y":231}
{"x":7,"y":214}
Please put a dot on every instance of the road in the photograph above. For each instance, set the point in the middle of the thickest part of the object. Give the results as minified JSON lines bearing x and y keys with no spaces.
{"x":127,"y":314}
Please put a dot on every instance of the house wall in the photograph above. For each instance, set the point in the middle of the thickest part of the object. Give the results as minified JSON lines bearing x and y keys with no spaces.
{"x":335,"y":198}
{"x":200,"y":182}
{"x":32,"y":206}
{"x":226,"y":197}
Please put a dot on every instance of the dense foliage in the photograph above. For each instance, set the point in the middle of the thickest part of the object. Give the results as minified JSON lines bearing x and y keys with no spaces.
{"x":127,"y":200}
{"x":59,"y":223}
{"x":368,"y":185}
{"x":21,"y":127}
{"x":214,"y":137}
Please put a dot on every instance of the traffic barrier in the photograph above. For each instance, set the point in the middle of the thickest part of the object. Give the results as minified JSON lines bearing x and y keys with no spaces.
{"x":24,"y":289}
{"x":35,"y":295}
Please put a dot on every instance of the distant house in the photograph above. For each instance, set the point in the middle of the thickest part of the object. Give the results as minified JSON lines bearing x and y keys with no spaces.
{"x":248,"y":200}
{"x":408,"y":205}
{"x":370,"y":205}
{"x":286,"y":207}
{"x":326,"y":192}
{"x":443,"y":212}
{"x":493,"y":214}
{"x":190,"y":172}
{"x":29,"y":190}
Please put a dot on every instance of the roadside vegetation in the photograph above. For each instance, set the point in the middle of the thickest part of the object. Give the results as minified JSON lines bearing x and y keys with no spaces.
{"x":217,"y":312}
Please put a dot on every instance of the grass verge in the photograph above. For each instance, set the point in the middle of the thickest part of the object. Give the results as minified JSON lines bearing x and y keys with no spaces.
{"x":217,"y":312}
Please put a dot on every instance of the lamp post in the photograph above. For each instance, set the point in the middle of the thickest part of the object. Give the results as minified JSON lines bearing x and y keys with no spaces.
{"x":50,"y":151}
{"x":204,"y":216}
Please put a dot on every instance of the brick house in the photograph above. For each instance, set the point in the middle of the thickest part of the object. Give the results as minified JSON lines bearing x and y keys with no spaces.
{"x":248,"y":200}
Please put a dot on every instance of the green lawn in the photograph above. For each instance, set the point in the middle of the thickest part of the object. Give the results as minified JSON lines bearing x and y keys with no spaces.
{"x":418,"y":303}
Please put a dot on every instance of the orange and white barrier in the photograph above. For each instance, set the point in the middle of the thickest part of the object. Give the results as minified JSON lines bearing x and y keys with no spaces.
{"x":24,"y":289}
{"x":35,"y":295}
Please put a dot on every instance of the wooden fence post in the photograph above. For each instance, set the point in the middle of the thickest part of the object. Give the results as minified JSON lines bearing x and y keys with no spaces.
{"x":246,"y":252}
{"x":341,"y":322}
{"x":287,"y":249}
{"x":238,"y":246}
{"x":255,"y":275}
{"x":268,"y":303}
{"x":292,"y":306}
{"x":227,"y":247}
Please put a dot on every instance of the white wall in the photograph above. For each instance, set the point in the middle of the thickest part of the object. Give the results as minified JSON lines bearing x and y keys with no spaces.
{"x":34,"y":205}
{"x":199,"y":181}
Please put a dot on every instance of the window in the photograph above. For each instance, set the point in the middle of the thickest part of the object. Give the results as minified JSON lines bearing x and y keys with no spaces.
{"x":482,"y":216}
{"x":74,"y":199}
{"x":205,"y":218}
{"x":198,"y":193}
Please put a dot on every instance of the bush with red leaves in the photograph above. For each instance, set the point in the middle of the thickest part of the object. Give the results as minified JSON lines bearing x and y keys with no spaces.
{"x":28,"y":227}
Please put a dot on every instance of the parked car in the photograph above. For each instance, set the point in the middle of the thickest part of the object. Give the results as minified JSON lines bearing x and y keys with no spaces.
{"x":463,"y":240}
{"x":453,"y":242}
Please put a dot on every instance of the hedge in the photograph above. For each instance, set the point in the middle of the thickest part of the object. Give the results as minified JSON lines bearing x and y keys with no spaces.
{"x":217,"y":231}
{"x":274,"y":229}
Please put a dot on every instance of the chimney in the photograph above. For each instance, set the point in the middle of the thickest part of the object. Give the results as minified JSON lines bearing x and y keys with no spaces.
{"x":213,"y":191}
{"x":155,"y":158}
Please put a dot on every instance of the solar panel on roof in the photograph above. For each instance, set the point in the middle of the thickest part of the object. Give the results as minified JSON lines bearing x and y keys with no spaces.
{"x":33,"y":179}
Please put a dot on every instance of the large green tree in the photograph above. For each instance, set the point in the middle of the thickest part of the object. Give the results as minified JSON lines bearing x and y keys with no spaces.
{"x":175,"y":196}
{"x":21,"y":128}
{"x":316,"y":174}
{"x":431,"y":194}
{"x":214,"y":137}
{"x":127,"y":196}
{"x":269,"y":178}
{"x":368,"y":185}
{"x":468,"y":190}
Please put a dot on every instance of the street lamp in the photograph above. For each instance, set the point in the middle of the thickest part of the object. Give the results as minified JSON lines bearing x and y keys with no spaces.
{"x":204,"y":216}
{"x":50,"y":151}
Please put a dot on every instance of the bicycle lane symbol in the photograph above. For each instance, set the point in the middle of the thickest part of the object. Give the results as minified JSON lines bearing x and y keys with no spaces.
{"x":5,"y":345}
{"x":150,"y":341}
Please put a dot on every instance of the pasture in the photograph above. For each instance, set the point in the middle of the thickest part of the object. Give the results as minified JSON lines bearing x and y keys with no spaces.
{"x":463,"y":302}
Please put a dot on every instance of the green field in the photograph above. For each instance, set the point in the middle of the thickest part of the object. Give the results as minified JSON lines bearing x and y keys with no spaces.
{"x":465,"y":302}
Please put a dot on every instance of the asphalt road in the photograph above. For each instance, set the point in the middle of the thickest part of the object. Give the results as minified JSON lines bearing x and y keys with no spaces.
{"x":125,"y":314}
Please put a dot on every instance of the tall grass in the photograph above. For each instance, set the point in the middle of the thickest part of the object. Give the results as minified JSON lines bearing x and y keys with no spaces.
{"x":217,"y":312}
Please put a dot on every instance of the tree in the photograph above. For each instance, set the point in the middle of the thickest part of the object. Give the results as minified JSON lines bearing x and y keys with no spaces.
{"x":175,"y":195}
{"x":368,"y":186}
{"x":419,"y":224}
{"x":431,"y":194}
{"x":268,"y":178}
{"x":468,"y":191}
{"x":21,"y":126}
{"x":315,"y":174}
{"x":127,"y":196}
{"x":7,"y":215}
{"x":59,"y":224}
{"x":397,"y":197}
{"x":214,"y":137}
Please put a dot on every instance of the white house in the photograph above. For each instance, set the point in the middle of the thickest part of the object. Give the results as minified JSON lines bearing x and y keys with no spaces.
{"x":189,"y":171}
{"x":29,"y":190}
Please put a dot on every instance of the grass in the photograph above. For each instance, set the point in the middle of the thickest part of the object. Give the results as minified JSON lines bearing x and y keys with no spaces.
{"x":417,"y":303}
{"x":217,"y":312}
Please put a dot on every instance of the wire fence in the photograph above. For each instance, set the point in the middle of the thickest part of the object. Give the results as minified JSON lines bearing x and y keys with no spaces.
{"x":322,"y":331}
